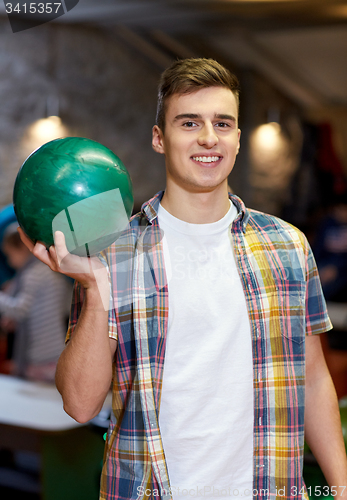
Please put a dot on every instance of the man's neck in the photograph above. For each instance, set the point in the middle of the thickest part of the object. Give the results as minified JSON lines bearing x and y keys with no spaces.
{"x":196,"y":207}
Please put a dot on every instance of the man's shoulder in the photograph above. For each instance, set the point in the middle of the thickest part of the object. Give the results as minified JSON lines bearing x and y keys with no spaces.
{"x":265,"y":219}
{"x":138,"y":226}
{"x":273,"y":226}
{"x":147,"y":214}
{"x":257,"y":221}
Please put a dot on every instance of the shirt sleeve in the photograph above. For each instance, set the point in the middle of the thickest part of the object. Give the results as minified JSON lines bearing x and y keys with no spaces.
{"x":317,"y":319}
{"x":77,"y":303}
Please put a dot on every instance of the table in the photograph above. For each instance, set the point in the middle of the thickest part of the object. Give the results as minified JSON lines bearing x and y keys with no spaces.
{"x":32,"y":419}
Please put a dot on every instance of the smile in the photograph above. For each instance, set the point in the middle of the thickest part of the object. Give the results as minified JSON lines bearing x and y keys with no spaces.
{"x":206,"y":159}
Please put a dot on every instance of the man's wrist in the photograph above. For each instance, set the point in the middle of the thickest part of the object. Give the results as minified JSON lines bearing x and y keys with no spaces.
{"x":97,"y":293}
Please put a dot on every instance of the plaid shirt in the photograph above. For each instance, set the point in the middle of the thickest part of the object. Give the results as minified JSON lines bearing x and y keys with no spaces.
{"x":285,"y":303}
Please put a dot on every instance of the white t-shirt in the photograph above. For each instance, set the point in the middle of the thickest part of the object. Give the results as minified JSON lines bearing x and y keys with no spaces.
{"x":206,"y":411}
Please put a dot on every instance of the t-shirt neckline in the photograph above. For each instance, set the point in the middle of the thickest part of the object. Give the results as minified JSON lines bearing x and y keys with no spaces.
{"x":181,"y":226}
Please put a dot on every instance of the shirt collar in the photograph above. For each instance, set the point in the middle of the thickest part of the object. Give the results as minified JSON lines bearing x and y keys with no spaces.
{"x":242,"y":211}
{"x":150,"y":208}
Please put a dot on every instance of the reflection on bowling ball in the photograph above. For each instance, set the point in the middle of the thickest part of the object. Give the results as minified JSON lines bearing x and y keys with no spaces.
{"x":77,"y":186}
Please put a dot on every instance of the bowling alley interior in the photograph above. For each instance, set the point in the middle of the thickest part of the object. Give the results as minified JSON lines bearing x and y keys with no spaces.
{"x":92,"y":73}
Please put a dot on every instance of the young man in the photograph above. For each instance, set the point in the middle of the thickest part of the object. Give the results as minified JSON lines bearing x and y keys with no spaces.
{"x":211,"y":328}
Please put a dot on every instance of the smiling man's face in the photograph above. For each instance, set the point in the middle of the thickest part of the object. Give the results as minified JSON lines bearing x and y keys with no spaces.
{"x":201,"y":138}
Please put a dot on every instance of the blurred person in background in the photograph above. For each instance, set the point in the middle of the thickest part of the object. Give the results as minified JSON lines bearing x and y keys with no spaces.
{"x":35,"y":305}
{"x":330,"y":250}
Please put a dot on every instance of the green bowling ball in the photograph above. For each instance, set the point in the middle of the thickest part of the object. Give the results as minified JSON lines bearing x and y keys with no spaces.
{"x":77,"y":186}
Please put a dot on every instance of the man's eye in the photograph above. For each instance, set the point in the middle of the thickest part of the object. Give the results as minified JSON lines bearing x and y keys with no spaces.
{"x":223,"y":125}
{"x":188,"y":124}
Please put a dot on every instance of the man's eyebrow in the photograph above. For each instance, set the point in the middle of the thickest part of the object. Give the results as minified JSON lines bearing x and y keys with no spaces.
{"x":225,"y":117}
{"x":191,"y":116}
{"x":195,"y":116}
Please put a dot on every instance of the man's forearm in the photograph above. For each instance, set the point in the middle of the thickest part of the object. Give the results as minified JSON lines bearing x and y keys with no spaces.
{"x":84,"y":370}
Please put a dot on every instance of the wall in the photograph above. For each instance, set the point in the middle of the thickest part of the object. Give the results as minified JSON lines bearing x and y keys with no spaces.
{"x":106,"y":93}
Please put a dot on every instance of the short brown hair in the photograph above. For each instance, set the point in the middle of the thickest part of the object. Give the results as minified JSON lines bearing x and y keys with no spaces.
{"x":189,"y":75}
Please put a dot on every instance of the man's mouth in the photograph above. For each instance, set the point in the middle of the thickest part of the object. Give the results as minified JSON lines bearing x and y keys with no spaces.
{"x":206,"y":159}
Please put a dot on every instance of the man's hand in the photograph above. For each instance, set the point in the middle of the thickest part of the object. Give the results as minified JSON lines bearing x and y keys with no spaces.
{"x":89,"y":271}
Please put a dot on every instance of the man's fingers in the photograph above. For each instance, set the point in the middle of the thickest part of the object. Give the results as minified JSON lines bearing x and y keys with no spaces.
{"x":60,"y":246}
{"x":67,"y":262}
{"x":40,"y":252}
{"x":37,"y":249}
{"x":58,"y":257}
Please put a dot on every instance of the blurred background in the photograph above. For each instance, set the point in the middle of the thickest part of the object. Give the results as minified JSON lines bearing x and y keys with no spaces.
{"x":94,"y":72}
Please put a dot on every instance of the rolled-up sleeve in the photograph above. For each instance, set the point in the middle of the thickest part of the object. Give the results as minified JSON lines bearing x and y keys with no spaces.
{"x":317,"y":319}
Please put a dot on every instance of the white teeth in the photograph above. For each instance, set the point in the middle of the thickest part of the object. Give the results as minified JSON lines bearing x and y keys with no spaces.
{"x":206,"y":159}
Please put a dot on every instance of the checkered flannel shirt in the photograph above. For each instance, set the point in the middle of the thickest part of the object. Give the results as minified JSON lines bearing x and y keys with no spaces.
{"x":285,"y":303}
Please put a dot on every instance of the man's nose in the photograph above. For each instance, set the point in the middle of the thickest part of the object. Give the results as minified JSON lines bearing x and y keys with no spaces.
{"x":208,"y":136}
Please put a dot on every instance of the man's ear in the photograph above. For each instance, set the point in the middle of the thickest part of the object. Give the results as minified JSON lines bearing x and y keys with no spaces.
{"x":157,"y":140}
{"x":238,"y":147}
